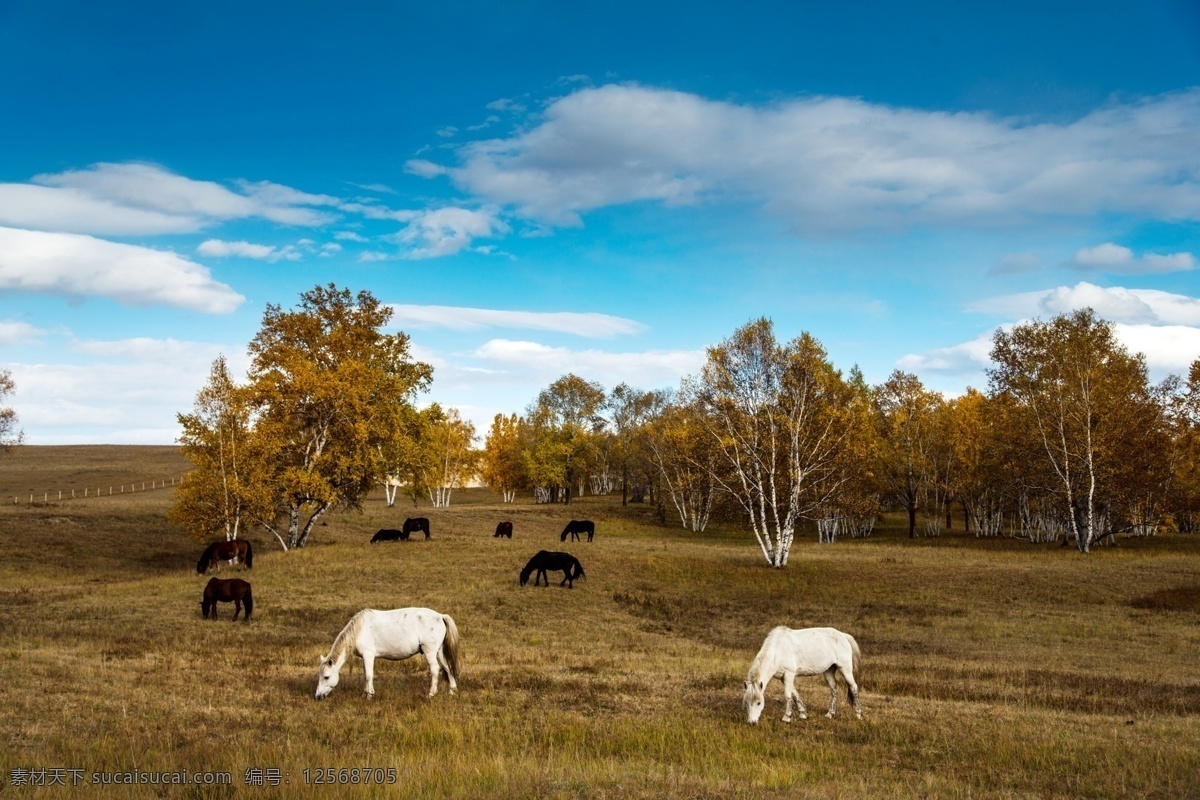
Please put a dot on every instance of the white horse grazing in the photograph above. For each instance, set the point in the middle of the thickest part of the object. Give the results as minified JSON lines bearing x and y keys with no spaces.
{"x":787,"y":653}
{"x":394,"y":635}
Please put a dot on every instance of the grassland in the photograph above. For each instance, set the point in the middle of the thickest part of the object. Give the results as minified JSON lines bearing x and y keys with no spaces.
{"x":990,"y":668}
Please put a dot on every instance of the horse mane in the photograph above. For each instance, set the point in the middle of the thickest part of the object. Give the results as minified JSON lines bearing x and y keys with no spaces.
{"x":345,"y":640}
{"x":200,"y":566}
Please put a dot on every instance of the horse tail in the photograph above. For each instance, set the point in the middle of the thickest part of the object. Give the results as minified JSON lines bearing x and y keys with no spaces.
{"x":249,"y":554}
{"x":203,"y":563}
{"x":450,"y":646}
{"x":855,"y":668}
{"x":579,"y":569}
{"x":249,"y":598}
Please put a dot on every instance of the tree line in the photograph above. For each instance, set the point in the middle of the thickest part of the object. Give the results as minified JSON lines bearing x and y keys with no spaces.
{"x":1070,"y":440}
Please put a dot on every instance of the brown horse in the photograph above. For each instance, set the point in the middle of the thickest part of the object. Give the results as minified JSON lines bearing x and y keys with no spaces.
{"x":234,"y":550}
{"x":503,"y":529}
{"x":234,"y":590}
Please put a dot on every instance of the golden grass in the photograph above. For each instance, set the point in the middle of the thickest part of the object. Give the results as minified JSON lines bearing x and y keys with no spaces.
{"x":997,"y":669}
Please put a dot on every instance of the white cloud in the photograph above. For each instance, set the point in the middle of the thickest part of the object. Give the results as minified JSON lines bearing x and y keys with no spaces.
{"x":1168,"y":348}
{"x":590,"y":325}
{"x":445,"y":231}
{"x":1113,"y":258}
{"x":16,"y":332}
{"x":1165,"y":327}
{"x":956,"y":359}
{"x":130,"y":394}
{"x":1117,"y":303}
{"x":134,"y":198}
{"x":77,"y":265}
{"x":424,"y":168}
{"x":72,"y":211}
{"x":216,"y":248}
{"x":537,"y":364}
{"x":349,"y":236}
{"x":329,"y":249}
{"x":146,"y":350}
{"x":835,"y":165}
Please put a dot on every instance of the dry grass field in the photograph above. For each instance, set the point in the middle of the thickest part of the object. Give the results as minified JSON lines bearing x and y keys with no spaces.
{"x":990,"y":668}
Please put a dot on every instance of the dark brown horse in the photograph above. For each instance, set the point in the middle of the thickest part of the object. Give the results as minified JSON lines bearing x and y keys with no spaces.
{"x":555,"y":562}
{"x":389,"y":535}
{"x":576,"y":527}
{"x":414,"y":524}
{"x":503,"y":529}
{"x":234,"y":590}
{"x":234,"y":550}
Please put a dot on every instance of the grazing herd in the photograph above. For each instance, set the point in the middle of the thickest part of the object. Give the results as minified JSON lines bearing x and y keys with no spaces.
{"x":405,"y":632}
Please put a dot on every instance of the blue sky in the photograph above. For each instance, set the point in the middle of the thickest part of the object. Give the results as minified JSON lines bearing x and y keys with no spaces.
{"x":545,"y":187}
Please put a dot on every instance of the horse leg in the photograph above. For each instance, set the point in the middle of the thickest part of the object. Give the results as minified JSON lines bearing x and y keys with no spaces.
{"x":831,"y":679}
{"x":791,"y":696}
{"x":852,"y":690}
{"x":431,"y":656}
{"x":441,"y":655}
{"x":237,"y":608}
{"x":369,"y":674}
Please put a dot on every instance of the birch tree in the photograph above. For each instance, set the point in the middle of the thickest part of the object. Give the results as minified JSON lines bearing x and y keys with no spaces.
{"x":229,"y":487}
{"x":328,"y":388}
{"x":453,"y":456}
{"x":682,"y":451}
{"x":906,"y":418}
{"x":1070,"y":378}
{"x":564,"y":424}
{"x":502,"y":468}
{"x":780,"y":417}
{"x":628,"y":410}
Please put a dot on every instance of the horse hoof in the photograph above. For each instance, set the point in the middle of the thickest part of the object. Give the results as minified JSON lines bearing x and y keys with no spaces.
{"x":830,"y":715}
{"x":804,"y":716}
{"x":787,"y":720}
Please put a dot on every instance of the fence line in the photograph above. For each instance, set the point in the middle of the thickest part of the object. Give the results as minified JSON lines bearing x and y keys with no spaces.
{"x":133,"y":487}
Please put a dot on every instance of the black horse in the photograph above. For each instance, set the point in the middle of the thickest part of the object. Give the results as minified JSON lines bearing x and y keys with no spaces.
{"x":503,"y":529}
{"x":413,"y":524}
{"x":389,"y":535}
{"x":555,"y":562}
{"x":234,"y":590}
{"x":576,"y":527}
{"x":233,"y":550}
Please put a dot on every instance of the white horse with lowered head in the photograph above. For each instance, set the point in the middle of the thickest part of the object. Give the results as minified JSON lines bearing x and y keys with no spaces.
{"x":394,"y":635}
{"x":787,"y":653}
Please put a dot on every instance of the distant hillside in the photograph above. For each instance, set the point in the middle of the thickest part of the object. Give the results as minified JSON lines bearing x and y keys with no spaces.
{"x":41,"y":469}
